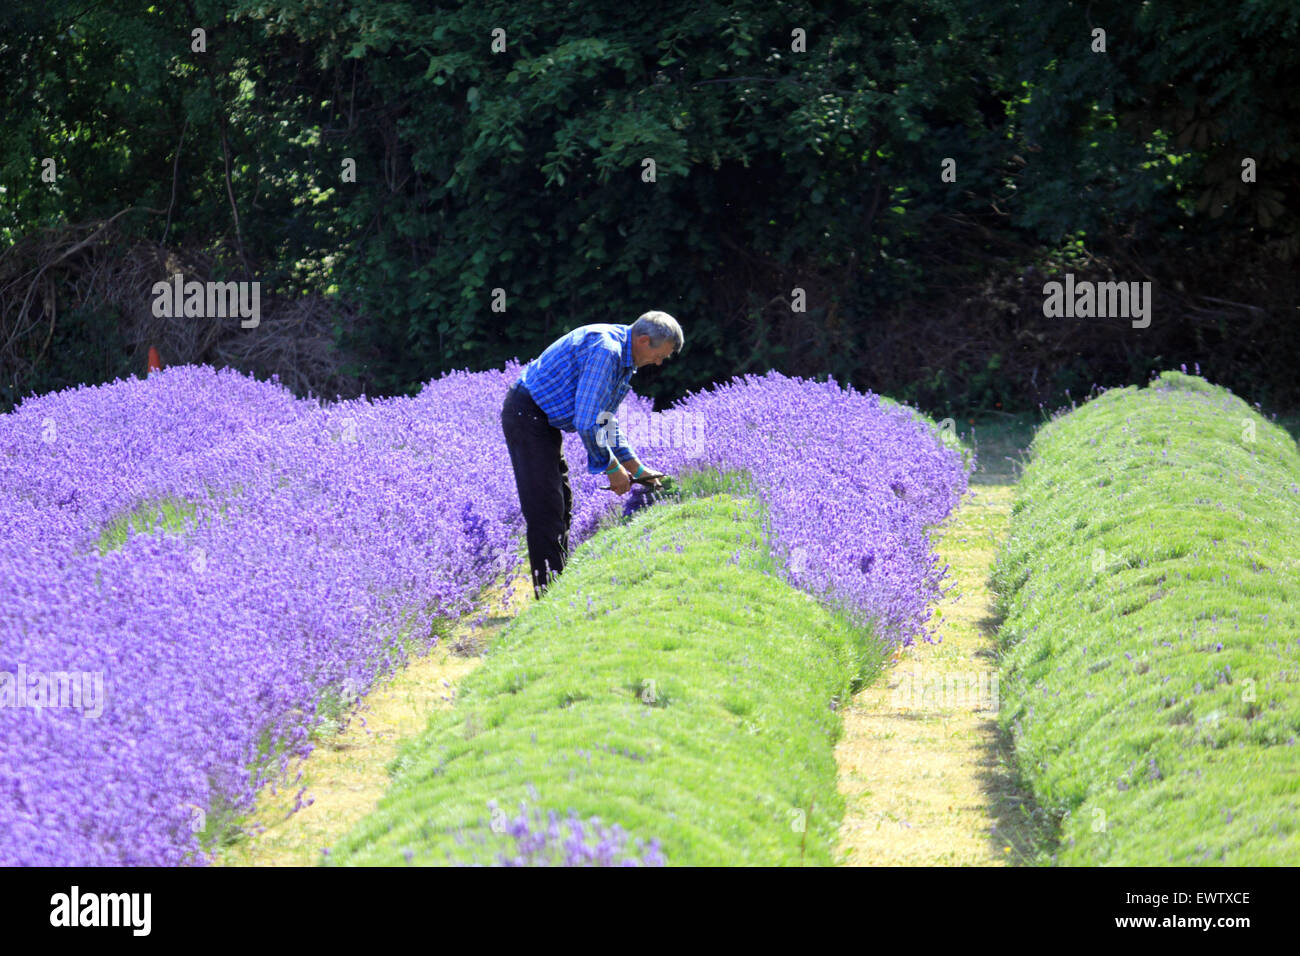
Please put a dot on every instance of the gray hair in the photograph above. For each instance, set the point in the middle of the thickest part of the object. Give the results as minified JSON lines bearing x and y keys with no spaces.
{"x":661,"y":327}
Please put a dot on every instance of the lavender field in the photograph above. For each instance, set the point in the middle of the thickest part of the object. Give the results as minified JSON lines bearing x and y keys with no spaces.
{"x":315,"y":536}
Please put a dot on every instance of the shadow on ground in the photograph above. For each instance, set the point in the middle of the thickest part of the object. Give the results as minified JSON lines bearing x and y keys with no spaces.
{"x":1025,"y":832}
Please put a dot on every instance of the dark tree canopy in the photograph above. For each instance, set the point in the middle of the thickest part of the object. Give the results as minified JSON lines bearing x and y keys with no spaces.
{"x":776,"y":167}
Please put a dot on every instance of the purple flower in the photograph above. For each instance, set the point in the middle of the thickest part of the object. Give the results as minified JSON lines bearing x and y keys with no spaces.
{"x":548,"y":846}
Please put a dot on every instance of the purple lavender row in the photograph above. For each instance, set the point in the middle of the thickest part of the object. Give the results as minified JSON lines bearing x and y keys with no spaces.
{"x":852,"y":485}
{"x":340,"y":523}
{"x":211,"y":644}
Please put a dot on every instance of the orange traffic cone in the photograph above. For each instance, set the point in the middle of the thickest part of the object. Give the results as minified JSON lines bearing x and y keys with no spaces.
{"x":155,"y":363}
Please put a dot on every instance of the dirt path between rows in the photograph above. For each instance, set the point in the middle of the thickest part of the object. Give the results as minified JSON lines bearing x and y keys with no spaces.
{"x":925,"y":773}
{"x":345,"y":775}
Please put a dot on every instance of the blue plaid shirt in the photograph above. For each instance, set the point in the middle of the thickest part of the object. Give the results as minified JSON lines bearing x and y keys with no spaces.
{"x":580,"y":375}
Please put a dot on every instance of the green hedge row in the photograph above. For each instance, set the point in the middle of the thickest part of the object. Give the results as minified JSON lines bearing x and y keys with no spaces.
{"x":667,"y":684}
{"x":1150,"y":650}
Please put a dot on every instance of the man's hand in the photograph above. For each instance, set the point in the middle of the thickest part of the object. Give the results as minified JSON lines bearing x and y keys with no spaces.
{"x":649,"y":476}
{"x":653,"y":477}
{"x":620,"y":481}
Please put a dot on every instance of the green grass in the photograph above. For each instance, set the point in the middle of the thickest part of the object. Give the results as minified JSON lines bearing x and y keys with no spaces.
{"x":164,"y":513}
{"x":168,"y":514}
{"x":695,"y":701}
{"x":1150,"y":648}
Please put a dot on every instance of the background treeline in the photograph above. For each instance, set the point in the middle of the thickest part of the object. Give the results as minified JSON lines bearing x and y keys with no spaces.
{"x":776,"y":169}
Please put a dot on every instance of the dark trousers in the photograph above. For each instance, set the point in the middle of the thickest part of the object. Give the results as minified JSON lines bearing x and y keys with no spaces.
{"x":542,"y":477}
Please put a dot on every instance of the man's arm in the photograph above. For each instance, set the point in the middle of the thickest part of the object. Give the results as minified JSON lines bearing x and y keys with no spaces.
{"x":621,"y":447}
{"x":595,"y":388}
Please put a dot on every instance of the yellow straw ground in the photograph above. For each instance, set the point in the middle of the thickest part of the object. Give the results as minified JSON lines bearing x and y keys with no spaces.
{"x":345,"y":774}
{"x":925,"y":775}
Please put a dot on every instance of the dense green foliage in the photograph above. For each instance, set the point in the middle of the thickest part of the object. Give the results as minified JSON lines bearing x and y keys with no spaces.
{"x":522,"y":170}
{"x":681,"y":694}
{"x":1151,"y":665}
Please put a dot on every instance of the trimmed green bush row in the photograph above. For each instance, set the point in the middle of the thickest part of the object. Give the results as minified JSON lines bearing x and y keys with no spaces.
{"x":670,"y":683}
{"x":1150,"y":650}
